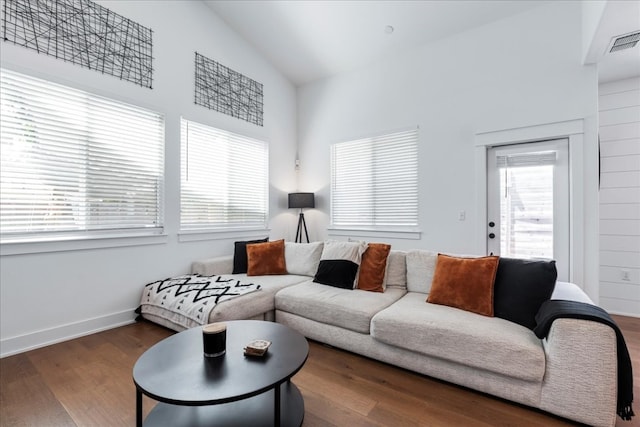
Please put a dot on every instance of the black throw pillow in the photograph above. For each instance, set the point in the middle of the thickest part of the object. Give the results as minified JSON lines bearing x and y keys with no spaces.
{"x":339,"y":273}
{"x":521,"y":287}
{"x":240,"y":263}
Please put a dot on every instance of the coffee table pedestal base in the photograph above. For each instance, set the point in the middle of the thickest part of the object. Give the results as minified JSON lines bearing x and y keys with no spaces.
{"x":257,"y":411}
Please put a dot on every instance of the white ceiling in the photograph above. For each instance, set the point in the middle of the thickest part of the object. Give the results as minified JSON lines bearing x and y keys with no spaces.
{"x":310,"y":40}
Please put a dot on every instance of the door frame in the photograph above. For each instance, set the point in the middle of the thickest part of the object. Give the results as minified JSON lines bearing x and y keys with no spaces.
{"x":573,"y":130}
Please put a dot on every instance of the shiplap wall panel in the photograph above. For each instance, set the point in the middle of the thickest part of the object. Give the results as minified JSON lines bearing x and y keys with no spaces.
{"x":620,"y":227}
{"x":619,"y":243}
{"x":619,"y":119}
{"x":620,"y":211}
{"x":619,"y":86}
{"x":619,"y":195}
{"x":622,"y":147}
{"x":614,"y":275}
{"x":622,"y":259}
{"x":621,"y":291}
{"x":618,"y":132}
{"x":620,"y":163}
{"x":620,"y":179}
{"x":615,"y":100}
{"x":619,"y":116}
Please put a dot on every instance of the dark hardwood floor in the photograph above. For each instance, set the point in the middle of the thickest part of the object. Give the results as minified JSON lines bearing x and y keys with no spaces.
{"x":87,"y":382}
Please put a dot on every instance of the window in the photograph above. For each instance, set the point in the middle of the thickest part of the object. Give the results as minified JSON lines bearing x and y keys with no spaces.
{"x":76,"y":164}
{"x":374,"y":182}
{"x":224,"y":179}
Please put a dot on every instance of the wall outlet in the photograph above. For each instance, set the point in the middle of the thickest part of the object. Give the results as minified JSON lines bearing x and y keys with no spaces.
{"x":462,"y":215}
{"x":624,"y":275}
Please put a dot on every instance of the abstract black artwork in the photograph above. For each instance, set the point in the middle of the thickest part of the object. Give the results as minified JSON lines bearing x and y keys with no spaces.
{"x":221,"y":89}
{"x":84,"y":33}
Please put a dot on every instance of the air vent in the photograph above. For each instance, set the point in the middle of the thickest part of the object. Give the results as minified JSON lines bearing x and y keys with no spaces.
{"x":626,"y":41}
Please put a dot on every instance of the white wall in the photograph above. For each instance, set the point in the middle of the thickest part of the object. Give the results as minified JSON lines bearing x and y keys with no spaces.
{"x":619,"y":106}
{"x":45,"y":297}
{"x":522,"y":71}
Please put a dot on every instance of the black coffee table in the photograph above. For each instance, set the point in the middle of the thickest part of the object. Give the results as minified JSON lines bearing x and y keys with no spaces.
{"x":230,"y":390}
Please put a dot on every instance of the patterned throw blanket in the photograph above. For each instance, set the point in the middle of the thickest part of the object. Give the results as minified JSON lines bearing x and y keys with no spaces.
{"x":187,"y":300}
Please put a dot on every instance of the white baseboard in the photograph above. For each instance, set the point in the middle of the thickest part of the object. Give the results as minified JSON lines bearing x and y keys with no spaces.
{"x":45,"y":337}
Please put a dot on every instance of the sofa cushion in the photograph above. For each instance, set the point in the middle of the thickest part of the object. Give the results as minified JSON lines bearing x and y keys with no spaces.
{"x":464,"y":283}
{"x":396,"y":275}
{"x":266,"y":258}
{"x":240,"y":255}
{"x":373,"y":267}
{"x":521,"y":287}
{"x":302,"y":258}
{"x":347,"y":308}
{"x":421,"y":265}
{"x":488,"y":343}
{"x":339,"y":263}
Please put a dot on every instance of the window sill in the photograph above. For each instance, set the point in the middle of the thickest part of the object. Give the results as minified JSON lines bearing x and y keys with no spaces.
{"x":387,"y":233}
{"x":222,"y":234}
{"x":64,"y":244}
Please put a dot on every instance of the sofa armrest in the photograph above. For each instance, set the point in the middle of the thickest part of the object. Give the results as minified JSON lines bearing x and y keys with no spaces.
{"x":211,"y":266}
{"x":580,"y":380}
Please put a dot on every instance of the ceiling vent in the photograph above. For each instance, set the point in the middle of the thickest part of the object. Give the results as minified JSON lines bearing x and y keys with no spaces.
{"x":626,"y":41}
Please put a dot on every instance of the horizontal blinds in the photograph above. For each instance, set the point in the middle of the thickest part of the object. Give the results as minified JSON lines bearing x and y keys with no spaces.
{"x":72,"y":161}
{"x":374,"y":181}
{"x":543,"y":158}
{"x":224,"y":179}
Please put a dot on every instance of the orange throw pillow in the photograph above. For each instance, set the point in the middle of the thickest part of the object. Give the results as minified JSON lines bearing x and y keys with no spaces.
{"x":464,"y":283}
{"x":266,"y":258}
{"x":373,"y":267}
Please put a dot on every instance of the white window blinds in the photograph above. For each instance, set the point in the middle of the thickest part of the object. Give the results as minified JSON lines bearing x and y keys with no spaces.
{"x":374,"y":182}
{"x":224,"y":179}
{"x":73,"y":162}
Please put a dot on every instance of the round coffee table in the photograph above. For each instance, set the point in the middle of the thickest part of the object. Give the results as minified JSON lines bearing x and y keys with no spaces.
{"x":229,"y":390}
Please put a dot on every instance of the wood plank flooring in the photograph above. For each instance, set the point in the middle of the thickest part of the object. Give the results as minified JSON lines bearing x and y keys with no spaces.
{"x":87,"y":382}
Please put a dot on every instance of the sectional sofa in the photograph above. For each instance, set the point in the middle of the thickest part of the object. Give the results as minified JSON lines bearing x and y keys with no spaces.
{"x":571,"y":372}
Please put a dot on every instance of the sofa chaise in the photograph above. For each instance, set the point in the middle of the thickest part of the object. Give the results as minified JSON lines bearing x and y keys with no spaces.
{"x":572,"y":372}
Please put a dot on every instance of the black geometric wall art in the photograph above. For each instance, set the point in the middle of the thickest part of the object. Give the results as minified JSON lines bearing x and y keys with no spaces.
{"x":224,"y":90}
{"x":84,"y":33}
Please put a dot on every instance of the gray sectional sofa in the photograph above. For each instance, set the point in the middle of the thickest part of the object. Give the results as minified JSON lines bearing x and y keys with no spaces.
{"x":571,"y":373}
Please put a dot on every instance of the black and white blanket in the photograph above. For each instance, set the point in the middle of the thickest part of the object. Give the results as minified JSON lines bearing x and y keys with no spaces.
{"x":188,"y":300}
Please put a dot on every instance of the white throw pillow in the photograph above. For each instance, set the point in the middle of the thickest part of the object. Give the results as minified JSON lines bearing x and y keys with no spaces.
{"x":339,"y":263}
{"x":302,"y":258}
{"x":421,"y":265}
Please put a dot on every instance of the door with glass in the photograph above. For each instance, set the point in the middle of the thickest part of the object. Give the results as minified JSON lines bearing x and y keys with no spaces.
{"x":528,"y":202}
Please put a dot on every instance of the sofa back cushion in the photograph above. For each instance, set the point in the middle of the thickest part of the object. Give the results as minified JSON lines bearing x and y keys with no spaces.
{"x":396,"y":275}
{"x":421,"y":264}
{"x":302,"y":258}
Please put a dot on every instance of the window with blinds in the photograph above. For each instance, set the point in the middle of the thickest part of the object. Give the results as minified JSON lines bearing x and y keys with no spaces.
{"x":224,"y":179}
{"x":526,"y":204}
{"x":74,"y":163}
{"x":374,"y":182}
